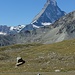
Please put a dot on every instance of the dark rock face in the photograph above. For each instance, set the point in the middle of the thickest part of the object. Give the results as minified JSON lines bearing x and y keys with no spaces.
{"x":62,"y":29}
{"x":27,"y":28}
{"x":49,"y":14}
{"x":4,"y":29}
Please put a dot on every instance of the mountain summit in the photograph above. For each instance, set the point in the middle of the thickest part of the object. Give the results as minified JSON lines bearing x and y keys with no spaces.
{"x":53,"y":2}
{"x":49,"y":14}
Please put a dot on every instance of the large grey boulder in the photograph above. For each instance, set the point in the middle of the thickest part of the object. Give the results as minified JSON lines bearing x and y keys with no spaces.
{"x":20,"y":61}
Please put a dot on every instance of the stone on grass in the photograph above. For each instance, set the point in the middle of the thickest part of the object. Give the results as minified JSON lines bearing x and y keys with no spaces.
{"x":57,"y":70}
{"x":38,"y":74}
{"x":20,"y":61}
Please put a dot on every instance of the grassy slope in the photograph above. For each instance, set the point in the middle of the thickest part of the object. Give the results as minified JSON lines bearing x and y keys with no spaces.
{"x":38,"y":57}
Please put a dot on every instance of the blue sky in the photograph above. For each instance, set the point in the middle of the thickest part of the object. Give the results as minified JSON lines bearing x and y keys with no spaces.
{"x":15,"y":12}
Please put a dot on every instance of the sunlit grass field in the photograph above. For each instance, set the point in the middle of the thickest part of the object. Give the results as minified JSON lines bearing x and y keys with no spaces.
{"x":39,"y":57}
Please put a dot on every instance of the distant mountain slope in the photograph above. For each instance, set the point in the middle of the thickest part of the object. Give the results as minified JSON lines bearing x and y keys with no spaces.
{"x":5,"y":30}
{"x":62,"y":29}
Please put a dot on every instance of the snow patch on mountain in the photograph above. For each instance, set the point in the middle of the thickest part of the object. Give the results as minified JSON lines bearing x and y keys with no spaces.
{"x":34,"y":26}
{"x":1,"y":33}
{"x":11,"y":28}
{"x":17,"y":28}
{"x":45,"y":24}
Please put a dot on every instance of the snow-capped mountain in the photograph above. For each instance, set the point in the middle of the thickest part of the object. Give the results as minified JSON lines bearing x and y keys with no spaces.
{"x":62,"y":29}
{"x":17,"y":28}
{"x":4,"y":29}
{"x":49,"y":14}
{"x":1,"y":33}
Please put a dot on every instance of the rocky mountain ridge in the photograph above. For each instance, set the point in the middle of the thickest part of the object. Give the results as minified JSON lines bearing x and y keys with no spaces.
{"x":62,"y":29}
{"x":6,"y":30}
{"x":49,"y":13}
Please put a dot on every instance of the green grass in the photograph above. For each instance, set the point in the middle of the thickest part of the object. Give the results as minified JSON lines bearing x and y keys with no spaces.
{"x":39,"y":57}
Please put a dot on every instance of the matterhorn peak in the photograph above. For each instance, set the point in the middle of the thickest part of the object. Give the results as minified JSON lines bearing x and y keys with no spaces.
{"x":49,"y":14}
{"x":53,"y":2}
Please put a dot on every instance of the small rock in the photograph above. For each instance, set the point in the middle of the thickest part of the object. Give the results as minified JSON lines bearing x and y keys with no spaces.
{"x":57,"y":70}
{"x":38,"y":74}
{"x":40,"y":68}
